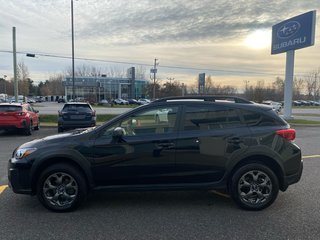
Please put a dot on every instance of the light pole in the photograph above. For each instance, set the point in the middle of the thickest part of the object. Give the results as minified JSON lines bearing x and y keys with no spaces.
{"x":5,"y":87}
{"x":72,"y":35}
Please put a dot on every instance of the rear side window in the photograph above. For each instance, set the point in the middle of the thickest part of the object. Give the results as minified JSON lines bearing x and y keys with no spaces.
{"x":29,"y":108}
{"x":10,"y":108}
{"x":259,"y":119}
{"x":210,"y":117}
{"x":77,"y":107}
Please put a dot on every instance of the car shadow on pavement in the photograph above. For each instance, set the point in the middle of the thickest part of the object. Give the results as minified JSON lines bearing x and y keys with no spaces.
{"x":176,"y":199}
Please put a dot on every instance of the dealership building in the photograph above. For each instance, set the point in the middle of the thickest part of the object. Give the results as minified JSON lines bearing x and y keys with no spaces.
{"x":103,"y":87}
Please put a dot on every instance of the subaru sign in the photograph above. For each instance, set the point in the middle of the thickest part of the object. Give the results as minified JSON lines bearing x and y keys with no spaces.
{"x":294,"y":33}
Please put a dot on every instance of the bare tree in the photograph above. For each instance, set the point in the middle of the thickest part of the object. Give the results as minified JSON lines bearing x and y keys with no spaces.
{"x":140,"y":72}
{"x":169,"y":89}
{"x":23,"y":76}
{"x":298,"y":86}
{"x":56,"y":85}
{"x":312,"y":82}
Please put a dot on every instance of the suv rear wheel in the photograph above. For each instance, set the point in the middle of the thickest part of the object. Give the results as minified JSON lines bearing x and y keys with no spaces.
{"x":254,"y":186}
{"x":38,"y":126}
{"x":61,"y":188}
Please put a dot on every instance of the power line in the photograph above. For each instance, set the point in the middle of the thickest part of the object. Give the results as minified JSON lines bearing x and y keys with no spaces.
{"x":162,"y":66}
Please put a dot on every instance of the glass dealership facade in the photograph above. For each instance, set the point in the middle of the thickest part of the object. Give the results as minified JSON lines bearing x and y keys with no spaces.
{"x":98,"y":88}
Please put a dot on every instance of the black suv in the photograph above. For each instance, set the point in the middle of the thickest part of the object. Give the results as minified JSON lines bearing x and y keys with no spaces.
{"x":170,"y":144}
{"x":76,"y":115}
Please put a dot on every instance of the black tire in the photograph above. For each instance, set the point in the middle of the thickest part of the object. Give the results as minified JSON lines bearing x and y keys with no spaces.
{"x":254,"y":187}
{"x":62,"y":196}
{"x":60,"y":129}
{"x":38,"y":126}
{"x":28,"y":130}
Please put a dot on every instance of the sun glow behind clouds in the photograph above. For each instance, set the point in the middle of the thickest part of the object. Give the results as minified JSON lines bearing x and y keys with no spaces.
{"x":258,"y":39}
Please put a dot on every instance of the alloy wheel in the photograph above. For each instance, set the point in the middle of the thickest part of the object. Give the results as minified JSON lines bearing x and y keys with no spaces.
{"x":254,"y":187}
{"x":60,"y":189}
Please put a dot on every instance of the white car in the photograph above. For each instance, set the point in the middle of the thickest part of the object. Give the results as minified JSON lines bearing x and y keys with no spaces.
{"x":143,"y":101}
{"x":121,"y":101}
{"x":103,"y":101}
{"x":276,"y":106}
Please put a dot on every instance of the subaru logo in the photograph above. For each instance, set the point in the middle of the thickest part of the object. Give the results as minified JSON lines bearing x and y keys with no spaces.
{"x":288,"y":29}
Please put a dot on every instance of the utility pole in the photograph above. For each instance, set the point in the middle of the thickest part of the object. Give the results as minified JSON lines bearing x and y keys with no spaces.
{"x":15,"y":64}
{"x":315,"y":87}
{"x":5,"y":87}
{"x":72,"y":33}
{"x":154,"y":71}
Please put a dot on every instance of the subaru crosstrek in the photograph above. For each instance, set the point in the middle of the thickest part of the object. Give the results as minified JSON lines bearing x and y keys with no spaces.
{"x":76,"y":115}
{"x":201,"y":143}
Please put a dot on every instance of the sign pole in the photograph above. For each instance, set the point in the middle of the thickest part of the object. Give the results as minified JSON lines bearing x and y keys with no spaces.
{"x":16,"y":91}
{"x":288,"y":85}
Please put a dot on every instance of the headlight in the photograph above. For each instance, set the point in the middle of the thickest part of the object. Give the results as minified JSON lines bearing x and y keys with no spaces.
{"x":23,"y":152}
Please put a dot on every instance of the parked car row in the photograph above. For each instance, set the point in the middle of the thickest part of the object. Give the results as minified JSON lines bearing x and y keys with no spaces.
{"x":141,"y":101}
{"x":305,"y":103}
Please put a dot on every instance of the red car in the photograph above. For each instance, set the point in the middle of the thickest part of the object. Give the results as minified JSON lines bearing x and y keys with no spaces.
{"x":19,"y":116}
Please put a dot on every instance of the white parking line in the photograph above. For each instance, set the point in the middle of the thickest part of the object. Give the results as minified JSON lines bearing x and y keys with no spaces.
{"x":311,"y":156}
{"x":2,"y":188}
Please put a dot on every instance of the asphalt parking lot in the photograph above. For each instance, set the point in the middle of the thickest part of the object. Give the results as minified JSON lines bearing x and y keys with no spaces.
{"x":166,"y":215}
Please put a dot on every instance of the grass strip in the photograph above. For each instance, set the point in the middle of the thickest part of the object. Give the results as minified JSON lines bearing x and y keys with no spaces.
{"x":46,"y":118}
{"x":303,"y":121}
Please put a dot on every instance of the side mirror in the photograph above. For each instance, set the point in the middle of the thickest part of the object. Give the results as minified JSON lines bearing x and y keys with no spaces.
{"x":118,"y":133}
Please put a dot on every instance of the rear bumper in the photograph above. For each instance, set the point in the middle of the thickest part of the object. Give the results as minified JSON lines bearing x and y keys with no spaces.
{"x":76,"y":124}
{"x":293,"y":178}
{"x":13,"y":125}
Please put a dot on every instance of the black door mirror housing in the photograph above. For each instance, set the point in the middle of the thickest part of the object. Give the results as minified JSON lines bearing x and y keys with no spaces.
{"x":118,"y":132}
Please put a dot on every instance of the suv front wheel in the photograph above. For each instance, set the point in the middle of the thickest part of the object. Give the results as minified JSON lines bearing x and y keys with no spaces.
{"x":61,"y":188}
{"x":254,"y":186}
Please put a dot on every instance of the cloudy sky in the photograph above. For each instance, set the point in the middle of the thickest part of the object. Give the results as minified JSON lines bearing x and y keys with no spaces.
{"x":227,"y":39}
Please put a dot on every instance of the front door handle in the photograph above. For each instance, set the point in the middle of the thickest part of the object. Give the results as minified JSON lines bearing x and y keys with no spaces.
{"x":235,"y":140}
{"x":165,"y":145}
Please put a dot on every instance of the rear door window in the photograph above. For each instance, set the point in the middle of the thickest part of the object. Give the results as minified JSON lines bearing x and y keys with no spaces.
{"x":259,"y":119}
{"x":210,"y":117}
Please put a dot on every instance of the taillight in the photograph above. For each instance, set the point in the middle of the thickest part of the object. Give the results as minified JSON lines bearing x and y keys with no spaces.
{"x":21,"y":113}
{"x":93,"y":113}
{"x":289,"y":134}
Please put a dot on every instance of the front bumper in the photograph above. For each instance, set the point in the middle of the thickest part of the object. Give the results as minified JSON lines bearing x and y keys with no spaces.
{"x":19,"y":176}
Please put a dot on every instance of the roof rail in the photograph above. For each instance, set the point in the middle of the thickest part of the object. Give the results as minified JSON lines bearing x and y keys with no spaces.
{"x":206,"y":98}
